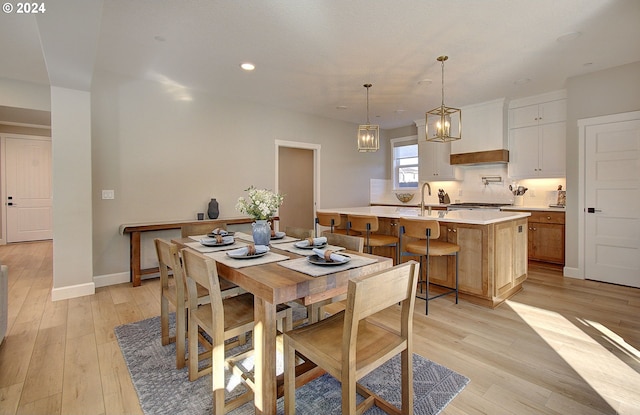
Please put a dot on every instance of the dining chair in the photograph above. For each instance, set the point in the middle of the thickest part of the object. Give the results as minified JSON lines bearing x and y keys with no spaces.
{"x":334,"y":222}
{"x":368,"y":225}
{"x":350,"y":242}
{"x":172,"y":287}
{"x":192,"y":229}
{"x":300,"y":233}
{"x":348,"y":346}
{"x":419,"y":237}
{"x":221,"y":320}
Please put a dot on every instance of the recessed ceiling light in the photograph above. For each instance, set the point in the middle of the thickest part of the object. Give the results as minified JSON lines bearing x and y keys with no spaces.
{"x":159,"y":38}
{"x":400,"y":111}
{"x":247,"y":66}
{"x":568,"y":36}
{"x":587,"y":64}
{"x":341,"y":107}
{"x":522,"y":81}
{"x":425,"y":82}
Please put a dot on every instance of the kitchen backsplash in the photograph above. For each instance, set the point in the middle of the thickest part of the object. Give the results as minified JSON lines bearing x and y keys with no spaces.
{"x":540,"y":193}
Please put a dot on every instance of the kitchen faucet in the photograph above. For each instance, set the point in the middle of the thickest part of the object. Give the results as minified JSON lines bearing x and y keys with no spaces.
{"x":422,"y":199}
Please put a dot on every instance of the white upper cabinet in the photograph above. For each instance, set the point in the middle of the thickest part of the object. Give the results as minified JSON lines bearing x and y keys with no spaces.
{"x":434,"y":159}
{"x":483,"y":128}
{"x":537,"y":136}
{"x":544,"y":113}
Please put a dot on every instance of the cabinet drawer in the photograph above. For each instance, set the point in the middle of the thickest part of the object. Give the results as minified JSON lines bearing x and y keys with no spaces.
{"x":547,"y":217}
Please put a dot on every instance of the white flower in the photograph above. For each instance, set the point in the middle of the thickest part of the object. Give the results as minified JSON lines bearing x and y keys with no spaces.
{"x":262,"y":204}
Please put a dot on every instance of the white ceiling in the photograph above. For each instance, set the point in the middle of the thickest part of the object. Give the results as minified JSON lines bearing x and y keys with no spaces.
{"x":313,"y":56}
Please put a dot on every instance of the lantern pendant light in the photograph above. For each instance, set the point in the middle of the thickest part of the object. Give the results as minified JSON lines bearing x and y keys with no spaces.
{"x":444,"y":124}
{"x":368,"y":135}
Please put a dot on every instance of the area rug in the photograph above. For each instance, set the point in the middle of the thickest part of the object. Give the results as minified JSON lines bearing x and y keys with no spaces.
{"x":162,"y":389}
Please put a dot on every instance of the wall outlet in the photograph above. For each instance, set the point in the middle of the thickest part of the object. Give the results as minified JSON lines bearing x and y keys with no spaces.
{"x":108,"y":194}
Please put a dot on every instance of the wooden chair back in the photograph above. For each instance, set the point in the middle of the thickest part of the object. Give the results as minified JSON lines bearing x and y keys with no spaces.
{"x":331,"y":220}
{"x":352,"y":243}
{"x":362,"y":223}
{"x":371,"y":293}
{"x":201,"y":228}
{"x":300,"y":233}
{"x":171,"y":293}
{"x":202,"y":270}
{"x":417,"y":228}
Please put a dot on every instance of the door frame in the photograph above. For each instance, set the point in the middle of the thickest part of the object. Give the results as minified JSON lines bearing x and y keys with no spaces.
{"x":583,"y":124}
{"x":316,"y":166}
{"x":3,"y":176}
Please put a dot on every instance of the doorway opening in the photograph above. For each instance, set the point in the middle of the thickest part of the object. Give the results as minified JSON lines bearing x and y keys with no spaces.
{"x":298,"y":178}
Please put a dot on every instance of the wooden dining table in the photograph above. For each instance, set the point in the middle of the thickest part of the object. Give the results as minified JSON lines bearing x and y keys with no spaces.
{"x":272,"y":284}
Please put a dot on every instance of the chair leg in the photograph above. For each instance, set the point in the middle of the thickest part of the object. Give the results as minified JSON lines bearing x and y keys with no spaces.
{"x":217,"y":374}
{"x":180,"y":337}
{"x":406,"y":375}
{"x":193,"y":351}
{"x":456,"y":278}
{"x":289,"y":378}
{"x":349,"y":391}
{"x":426,"y":307}
{"x":164,"y":320}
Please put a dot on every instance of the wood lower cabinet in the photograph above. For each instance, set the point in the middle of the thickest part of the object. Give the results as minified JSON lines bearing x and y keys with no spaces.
{"x":492,"y":262}
{"x":546,"y":236}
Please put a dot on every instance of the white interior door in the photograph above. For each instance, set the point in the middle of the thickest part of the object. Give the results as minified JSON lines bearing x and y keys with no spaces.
{"x":28,"y":189}
{"x":612,"y":202}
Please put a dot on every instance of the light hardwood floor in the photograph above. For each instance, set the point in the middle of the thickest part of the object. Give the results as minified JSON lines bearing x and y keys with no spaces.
{"x":561,"y":346}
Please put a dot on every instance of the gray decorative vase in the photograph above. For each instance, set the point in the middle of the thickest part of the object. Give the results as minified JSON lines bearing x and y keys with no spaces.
{"x":261,"y":232}
{"x":213,"y":210}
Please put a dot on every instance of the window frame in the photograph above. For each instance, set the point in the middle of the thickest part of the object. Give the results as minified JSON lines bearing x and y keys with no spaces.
{"x":395,"y":167}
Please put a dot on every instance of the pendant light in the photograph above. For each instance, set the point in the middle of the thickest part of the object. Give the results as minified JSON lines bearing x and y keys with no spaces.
{"x":368,"y":135}
{"x":444,"y":124}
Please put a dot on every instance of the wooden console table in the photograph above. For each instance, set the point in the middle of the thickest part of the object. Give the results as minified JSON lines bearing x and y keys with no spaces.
{"x":135,"y":229}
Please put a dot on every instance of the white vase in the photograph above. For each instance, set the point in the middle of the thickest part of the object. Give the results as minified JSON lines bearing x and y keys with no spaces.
{"x":261,"y":232}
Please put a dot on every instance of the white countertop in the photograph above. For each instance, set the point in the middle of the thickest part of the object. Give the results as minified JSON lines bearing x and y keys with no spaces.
{"x":475,"y":217}
{"x":540,"y":208}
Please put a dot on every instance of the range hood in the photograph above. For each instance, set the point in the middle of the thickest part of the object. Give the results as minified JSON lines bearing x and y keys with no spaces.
{"x":480,"y":157}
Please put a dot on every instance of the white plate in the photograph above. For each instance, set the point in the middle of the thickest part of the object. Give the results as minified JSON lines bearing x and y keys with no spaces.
{"x":246,"y":256}
{"x":309,"y":246}
{"x":317,"y":260}
{"x":212,"y":242}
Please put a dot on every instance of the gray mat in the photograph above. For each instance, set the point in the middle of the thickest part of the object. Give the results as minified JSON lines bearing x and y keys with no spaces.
{"x":162,"y":389}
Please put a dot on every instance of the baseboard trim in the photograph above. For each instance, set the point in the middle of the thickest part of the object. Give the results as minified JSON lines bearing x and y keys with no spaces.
{"x":572,"y":273}
{"x":111,"y":279}
{"x":73,"y":291}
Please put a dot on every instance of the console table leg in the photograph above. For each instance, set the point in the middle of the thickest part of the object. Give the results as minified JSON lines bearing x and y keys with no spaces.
{"x":134,"y":266}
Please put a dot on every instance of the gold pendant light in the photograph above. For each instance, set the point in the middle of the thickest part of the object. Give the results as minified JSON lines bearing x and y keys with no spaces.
{"x":368,"y":135}
{"x":444,"y":123}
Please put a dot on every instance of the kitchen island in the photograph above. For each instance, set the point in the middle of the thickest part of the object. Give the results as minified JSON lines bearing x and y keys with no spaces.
{"x":493,"y":248}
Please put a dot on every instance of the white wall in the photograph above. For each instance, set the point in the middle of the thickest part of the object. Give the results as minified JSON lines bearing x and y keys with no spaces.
{"x":72,"y":230}
{"x":166,"y":151}
{"x":24,"y":95}
{"x":599,"y":93}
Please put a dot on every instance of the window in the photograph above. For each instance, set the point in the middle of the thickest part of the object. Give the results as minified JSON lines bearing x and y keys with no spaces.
{"x":405,"y":162}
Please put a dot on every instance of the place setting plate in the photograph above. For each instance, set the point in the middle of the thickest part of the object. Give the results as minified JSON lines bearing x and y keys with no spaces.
{"x":213,"y":235}
{"x":309,"y":247}
{"x":278,"y":235}
{"x":212,"y":243}
{"x":246,"y":256}
{"x":318,"y":260}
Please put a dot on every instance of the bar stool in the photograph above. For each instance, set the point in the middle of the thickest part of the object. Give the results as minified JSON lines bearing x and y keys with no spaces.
{"x":367,"y":225}
{"x":331,"y":220}
{"x":425,"y":243}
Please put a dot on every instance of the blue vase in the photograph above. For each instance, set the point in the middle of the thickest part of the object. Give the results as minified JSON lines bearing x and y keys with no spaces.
{"x":261,"y":232}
